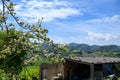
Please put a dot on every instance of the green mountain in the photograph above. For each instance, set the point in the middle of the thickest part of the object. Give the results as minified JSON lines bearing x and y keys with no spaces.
{"x":94,"y":48}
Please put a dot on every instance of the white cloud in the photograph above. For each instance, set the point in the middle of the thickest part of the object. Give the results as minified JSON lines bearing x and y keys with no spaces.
{"x":57,"y":39}
{"x":102,"y":37}
{"x":33,"y":10}
{"x":114,"y":18}
{"x":1,"y":7}
{"x":69,"y":39}
{"x":23,"y":0}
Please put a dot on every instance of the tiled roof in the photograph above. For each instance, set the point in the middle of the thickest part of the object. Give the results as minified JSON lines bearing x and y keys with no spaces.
{"x":94,"y":60}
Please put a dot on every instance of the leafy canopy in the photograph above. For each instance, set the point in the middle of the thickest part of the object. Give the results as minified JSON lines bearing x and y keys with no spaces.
{"x":17,"y":45}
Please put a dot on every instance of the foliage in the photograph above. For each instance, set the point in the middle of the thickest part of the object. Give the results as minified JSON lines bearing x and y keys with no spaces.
{"x":29,"y":71}
{"x":16,"y":45}
{"x":53,"y":54}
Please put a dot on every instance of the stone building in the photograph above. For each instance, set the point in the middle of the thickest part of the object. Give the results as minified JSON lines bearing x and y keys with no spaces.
{"x":82,"y":68}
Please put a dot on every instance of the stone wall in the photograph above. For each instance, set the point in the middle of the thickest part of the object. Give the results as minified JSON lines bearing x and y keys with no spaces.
{"x":49,"y":71}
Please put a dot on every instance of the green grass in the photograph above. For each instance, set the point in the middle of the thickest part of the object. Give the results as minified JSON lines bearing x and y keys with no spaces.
{"x":29,"y":71}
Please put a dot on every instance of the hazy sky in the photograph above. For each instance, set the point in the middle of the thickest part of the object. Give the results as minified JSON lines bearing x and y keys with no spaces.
{"x":80,"y":21}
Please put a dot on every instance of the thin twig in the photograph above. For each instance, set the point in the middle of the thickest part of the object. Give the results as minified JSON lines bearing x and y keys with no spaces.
{"x":4,"y":16}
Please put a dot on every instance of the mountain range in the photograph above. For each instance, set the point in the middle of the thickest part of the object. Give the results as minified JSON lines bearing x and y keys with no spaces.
{"x":94,"y":48}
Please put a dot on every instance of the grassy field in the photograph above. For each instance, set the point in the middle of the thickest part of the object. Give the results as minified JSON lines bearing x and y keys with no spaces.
{"x":27,"y":72}
{"x":30,"y":71}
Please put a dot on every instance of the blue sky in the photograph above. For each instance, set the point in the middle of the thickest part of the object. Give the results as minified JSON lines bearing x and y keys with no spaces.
{"x":94,"y":22}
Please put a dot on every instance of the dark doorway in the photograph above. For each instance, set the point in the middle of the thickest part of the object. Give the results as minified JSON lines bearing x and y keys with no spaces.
{"x":68,"y":74}
{"x":81,"y":71}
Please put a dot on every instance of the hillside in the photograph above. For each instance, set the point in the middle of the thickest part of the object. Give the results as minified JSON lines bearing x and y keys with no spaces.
{"x":81,"y":49}
{"x":93,"y":48}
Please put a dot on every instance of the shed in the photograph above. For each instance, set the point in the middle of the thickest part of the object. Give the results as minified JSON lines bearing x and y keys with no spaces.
{"x":82,"y":68}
